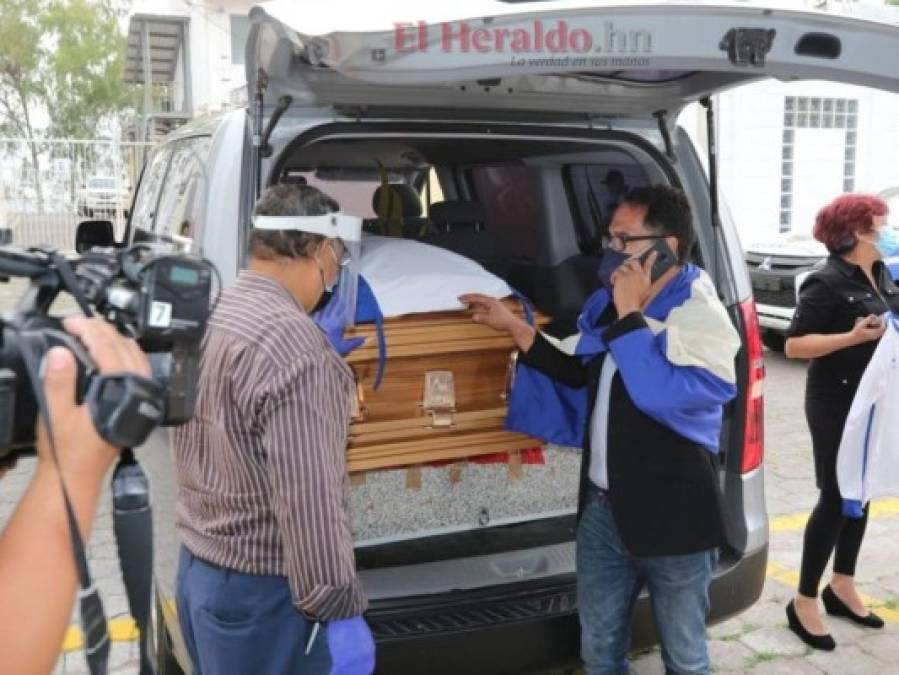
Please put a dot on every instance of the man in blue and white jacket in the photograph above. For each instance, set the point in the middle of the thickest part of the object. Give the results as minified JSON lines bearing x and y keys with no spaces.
{"x":641,"y":388}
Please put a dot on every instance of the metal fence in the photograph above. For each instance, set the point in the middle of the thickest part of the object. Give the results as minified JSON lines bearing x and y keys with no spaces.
{"x":47,"y":186}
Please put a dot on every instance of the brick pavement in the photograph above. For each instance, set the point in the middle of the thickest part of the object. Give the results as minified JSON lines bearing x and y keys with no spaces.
{"x":758,"y":641}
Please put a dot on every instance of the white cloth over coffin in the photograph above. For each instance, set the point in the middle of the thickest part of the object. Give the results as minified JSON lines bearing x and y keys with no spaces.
{"x":411,"y":277}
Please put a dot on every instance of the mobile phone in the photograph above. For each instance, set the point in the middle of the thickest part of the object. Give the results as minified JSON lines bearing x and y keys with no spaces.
{"x":871,"y":323}
{"x":665,"y":259}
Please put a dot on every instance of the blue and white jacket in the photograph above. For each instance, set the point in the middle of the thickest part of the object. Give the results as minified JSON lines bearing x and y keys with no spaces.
{"x":678,"y":368}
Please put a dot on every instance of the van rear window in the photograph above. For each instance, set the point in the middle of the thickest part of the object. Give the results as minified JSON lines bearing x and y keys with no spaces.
{"x":354,"y":196}
{"x":595,"y":190}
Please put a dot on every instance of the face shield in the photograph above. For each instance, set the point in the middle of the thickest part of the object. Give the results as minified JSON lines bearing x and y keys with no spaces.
{"x":348,"y":281}
{"x":337,"y":225}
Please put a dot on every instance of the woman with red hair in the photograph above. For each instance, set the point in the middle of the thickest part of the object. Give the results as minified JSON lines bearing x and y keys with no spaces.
{"x":837,"y":325}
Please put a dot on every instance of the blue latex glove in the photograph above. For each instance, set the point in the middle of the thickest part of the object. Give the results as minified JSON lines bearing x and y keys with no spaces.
{"x":330,"y":319}
{"x":352,"y":647}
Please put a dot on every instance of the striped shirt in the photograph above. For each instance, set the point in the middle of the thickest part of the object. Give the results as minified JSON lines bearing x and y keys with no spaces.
{"x":261,"y":468}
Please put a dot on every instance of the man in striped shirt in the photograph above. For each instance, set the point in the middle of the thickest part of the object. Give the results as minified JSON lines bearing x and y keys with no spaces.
{"x":267,"y":577}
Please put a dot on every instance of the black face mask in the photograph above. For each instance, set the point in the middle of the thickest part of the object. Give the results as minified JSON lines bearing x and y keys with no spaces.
{"x":610,"y":261}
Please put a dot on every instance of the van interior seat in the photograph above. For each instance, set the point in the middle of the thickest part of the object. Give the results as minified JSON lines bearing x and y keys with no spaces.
{"x":559,"y":290}
{"x":414,"y":224}
{"x":454,"y":215}
{"x":459,"y":227}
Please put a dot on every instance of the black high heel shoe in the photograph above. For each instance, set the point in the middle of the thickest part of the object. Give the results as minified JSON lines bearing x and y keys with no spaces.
{"x":823,"y":642}
{"x":836,"y":607}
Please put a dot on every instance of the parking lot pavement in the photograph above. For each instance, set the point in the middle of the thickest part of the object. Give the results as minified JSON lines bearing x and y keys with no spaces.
{"x":756,"y":642}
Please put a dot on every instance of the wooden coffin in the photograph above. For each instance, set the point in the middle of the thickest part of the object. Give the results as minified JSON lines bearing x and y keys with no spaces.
{"x":396,"y":426}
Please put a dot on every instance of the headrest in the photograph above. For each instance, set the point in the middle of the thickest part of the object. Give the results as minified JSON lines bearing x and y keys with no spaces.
{"x":406,"y":194}
{"x":456,"y":212}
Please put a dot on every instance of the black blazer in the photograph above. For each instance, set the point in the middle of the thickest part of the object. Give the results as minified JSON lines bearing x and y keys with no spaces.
{"x":831,"y":300}
{"x":663,"y":488}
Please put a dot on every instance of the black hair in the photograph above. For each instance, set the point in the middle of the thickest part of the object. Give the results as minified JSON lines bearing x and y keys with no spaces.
{"x":667,"y":212}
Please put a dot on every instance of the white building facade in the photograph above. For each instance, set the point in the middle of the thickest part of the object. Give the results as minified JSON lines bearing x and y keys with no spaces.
{"x":192,"y":52}
{"x":785,"y":150}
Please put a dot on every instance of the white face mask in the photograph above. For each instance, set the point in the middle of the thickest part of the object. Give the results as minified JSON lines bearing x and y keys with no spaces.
{"x":329,"y":288}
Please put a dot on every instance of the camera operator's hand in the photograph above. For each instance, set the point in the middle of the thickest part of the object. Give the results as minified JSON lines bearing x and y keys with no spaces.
{"x":37,"y":567}
{"x":81,"y":450}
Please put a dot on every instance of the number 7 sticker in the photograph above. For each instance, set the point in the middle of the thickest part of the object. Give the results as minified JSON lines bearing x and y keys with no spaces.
{"x":161,"y":314}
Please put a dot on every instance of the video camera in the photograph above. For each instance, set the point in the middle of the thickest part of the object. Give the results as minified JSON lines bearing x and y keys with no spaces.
{"x":147,"y":292}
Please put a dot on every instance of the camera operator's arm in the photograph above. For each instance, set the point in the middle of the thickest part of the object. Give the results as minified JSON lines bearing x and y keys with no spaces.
{"x":37,"y":568}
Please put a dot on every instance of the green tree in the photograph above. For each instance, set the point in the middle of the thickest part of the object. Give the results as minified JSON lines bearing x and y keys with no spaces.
{"x":61,"y":60}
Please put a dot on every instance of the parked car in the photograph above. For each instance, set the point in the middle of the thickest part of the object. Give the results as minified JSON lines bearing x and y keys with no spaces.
{"x":521,"y":145}
{"x":777,"y":270}
{"x":103,"y":195}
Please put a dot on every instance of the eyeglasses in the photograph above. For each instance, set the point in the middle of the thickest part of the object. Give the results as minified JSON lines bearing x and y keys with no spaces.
{"x":344,"y":258}
{"x":619,"y":242}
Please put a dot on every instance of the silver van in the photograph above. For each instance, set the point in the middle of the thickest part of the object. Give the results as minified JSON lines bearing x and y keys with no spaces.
{"x":515,"y":115}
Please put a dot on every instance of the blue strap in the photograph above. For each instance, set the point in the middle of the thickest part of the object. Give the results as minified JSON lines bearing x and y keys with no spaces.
{"x":368,"y":311}
{"x":853,"y":508}
{"x":525,"y":305}
{"x":382,"y":351}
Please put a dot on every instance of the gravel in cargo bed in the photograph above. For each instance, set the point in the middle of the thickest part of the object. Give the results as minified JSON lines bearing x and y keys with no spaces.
{"x":384,"y":507}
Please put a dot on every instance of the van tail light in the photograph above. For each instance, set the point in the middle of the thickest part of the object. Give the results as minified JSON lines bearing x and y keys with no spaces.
{"x":754,"y":426}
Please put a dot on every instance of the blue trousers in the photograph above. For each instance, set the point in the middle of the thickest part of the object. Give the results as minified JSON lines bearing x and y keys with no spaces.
{"x":609,"y":580}
{"x":237,"y":624}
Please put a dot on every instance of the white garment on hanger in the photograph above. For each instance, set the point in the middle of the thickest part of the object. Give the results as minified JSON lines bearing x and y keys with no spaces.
{"x":868,"y":459}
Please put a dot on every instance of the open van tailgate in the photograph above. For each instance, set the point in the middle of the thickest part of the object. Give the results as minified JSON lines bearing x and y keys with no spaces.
{"x":605,"y":60}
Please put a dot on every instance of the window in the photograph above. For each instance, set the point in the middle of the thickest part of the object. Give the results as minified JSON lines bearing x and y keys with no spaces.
{"x":148,"y":193}
{"x":431,"y":191}
{"x":354,"y":196}
{"x":596,"y":191}
{"x":102,"y":184}
{"x":509,"y":195}
{"x":240,"y":31}
{"x":819,"y":113}
{"x":815,"y":113}
{"x":183,"y":197}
